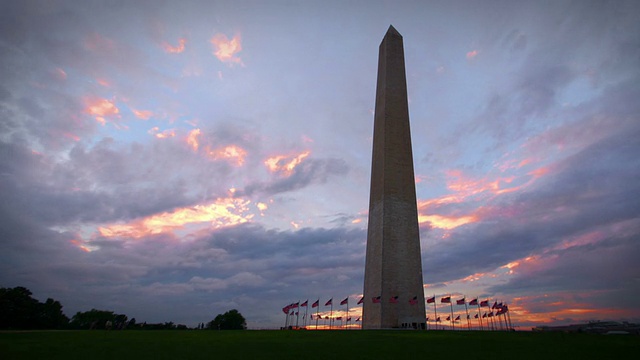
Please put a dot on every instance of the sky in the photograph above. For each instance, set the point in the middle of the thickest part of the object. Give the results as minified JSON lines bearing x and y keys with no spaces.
{"x":174,"y":160}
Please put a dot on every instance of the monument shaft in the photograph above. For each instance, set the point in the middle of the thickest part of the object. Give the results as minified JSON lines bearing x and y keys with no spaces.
{"x":393,"y":261}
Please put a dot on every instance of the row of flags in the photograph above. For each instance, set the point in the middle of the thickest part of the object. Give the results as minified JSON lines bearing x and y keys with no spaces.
{"x":394,"y":300}
{"x":290,"y":310}
{"x":500,"y":309}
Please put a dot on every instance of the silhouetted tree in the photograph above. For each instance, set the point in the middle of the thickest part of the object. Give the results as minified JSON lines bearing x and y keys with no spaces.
{"x":231,"y":320}
{"x":97,"y":319}
{"x":18,"y":310}
{"x":52,"y":316}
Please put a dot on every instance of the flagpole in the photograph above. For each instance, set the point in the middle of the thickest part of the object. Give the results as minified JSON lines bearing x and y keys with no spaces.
{"x":435,"y":309}
{"x":453,"y":323}
{"x":499,"y":319}
{"x":426,"y":309}
{"x":317,"y":312}
{"x":467,"y":311}
{"x":347,"y":326}
{"x":298,"y":313}
{"x":286,"y":320}
{"x":479,"y":316}
{"x":494,"y":327}
{"x":306,"y":312}
{"x":331,"y":315}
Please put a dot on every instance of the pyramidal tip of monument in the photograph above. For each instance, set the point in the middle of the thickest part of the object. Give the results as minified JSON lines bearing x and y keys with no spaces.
{"x":393,"y":31}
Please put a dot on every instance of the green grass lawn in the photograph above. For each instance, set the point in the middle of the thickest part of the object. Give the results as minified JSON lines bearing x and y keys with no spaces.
{"x":325,"y":345}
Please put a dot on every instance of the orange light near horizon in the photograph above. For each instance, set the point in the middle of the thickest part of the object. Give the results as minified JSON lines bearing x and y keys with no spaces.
{"x":225,"y":49}
{"x":174,"y":49}
{"x":285,"y":164}
{"x":562,"y":306}
{"x":220,"y":213}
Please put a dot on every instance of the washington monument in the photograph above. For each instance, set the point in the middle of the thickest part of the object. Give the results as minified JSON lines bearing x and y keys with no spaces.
{"x":393,"y":288}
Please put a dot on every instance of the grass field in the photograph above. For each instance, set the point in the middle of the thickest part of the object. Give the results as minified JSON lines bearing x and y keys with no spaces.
{"x":325,"y":345}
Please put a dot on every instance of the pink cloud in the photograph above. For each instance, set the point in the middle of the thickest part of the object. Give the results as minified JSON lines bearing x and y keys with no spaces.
{"x":472,"y":54}
{"x":284,"y":164}
{"x":225,"y":50}
{"x":219,"y":213}
{"x":155,"y":131}
{"x":142,"y":114}
{"x":174,"y":49}
{"x":102,"y":109}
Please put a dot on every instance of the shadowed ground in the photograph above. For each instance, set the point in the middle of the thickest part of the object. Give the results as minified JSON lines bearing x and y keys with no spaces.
{"x":375,"y":344}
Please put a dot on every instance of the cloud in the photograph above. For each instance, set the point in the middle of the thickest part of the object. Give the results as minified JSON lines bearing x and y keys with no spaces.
{"x":580,"y":196}
{"x":232,"y":153}
{"x":225,"y":50}
{"x":102,"y":109}
{"x":174,"y":49}
{"x":283,"y":164}
{"x":221,"y":212}
{"x":155,"y":131}
{"x":218,"y":145}
{"x":311,"y":171}
{"x":143,"y":114}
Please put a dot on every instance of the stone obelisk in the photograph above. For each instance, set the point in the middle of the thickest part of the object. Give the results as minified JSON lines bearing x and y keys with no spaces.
{"x":393,"y":288}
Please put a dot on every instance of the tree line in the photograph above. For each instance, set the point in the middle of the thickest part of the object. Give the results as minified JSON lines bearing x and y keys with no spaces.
{"x":20,"y":311}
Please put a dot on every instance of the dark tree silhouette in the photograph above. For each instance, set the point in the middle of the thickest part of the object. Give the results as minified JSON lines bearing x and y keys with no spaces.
{"x":18,"y":310}
{"x":52,"y":316}
{"x":97,"y":319}
{"x":231,"y":320}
